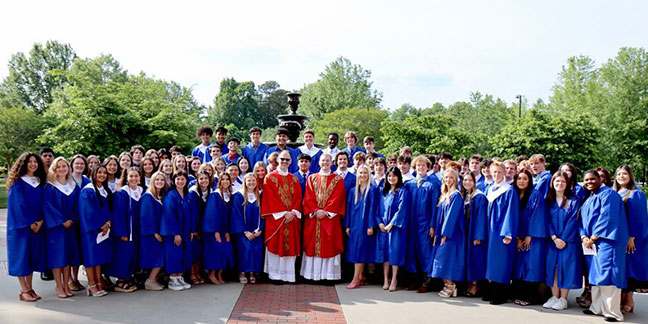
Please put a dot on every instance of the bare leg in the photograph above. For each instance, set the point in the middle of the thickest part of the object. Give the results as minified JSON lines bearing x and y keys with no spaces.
{"x":555,"y":291}
{"x":58,"y":278}
{"x":386,"y":274}
{"x":564,"y":293}
{"x":66,"y":279}
{"x":154,"y":273}
{"x":358,"y":268}
{"x":394,"y":282}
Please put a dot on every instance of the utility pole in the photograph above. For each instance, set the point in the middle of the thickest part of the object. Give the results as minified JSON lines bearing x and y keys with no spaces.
{"x":519,"y":97}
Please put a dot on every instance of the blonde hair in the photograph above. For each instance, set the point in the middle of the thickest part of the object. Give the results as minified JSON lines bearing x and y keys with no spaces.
{"x":357,"y":187}
{"x":537,"y":158}
{"x":157,"y":194}
{"x":423,"y":159}
{"x":51,"y":172}
{"x":445,"y":191}
{"x":256,"y":189}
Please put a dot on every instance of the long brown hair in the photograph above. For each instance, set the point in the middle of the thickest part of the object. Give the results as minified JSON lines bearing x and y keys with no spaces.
{"x":551,"y":196}
{"x":632,"y":185}
{"x":19,"y":169}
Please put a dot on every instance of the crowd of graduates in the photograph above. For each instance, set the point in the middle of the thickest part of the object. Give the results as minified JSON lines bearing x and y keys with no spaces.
{"x":501,"y":230}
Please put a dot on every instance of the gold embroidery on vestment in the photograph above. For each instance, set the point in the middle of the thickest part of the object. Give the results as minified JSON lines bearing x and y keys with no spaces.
{"x":322,"y":192}
{"x":286,"y":189}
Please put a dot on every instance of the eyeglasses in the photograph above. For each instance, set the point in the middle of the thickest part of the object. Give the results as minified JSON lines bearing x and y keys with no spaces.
{"x":284,"y":160}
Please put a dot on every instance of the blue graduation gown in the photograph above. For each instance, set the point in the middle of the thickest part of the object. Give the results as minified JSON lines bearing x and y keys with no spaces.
{"x":351,"y":152}
{"x":151,"y":250}
{"x":349,"y":182}
{"x":177,"y":219}
{"x":360,"y":216}
{"x":62,"y":244}
{"x":567,"y":263}
{"x":530,"y":265}
{"x":315,"y":167}
{"x":216,"y":255}
{"x":25,"y":250}
{"x":503,"y":214}
{"x":423,"y":209}
{"x":223,"y":147}
{"x":93,"y":215}
{"x":204,"y":156}
{"x":125,"y":222}
{"x":84,"y":182}
{"x":450,"y":258}
{"x":579,"y":192}
{"x":302,"y":180}
{"x":481,"y":184}
{"x":541,"y":183}
{"x":603,"y":215}
{"x":476,"y":223}
{"x":391,"y":246}
{"x":234,"y":160}
{"x":293,"y":154}
{"x":637,"y":214}
{"x":197,"y":245}
{"x":248,"y":152}
{"x":247,"y":218}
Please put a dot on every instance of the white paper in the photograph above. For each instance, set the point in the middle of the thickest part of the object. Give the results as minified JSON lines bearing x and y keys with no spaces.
{"x":589,"y":251}
{"x":101,"y":237}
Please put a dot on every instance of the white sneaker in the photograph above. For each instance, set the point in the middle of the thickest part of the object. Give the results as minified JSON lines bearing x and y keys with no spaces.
{"x":561,"y":304}
{"x":174,"y":284}
{"x":183,"y":283}
{"x":550,"y":303}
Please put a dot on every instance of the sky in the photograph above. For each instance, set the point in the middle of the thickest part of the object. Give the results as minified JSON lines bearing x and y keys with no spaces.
{"x":419,"y":52}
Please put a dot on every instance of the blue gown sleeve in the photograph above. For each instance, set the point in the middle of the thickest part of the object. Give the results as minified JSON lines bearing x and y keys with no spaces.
{"x":52,"y":207}
{"x":88,"y":206}
{"x":401,"y":216}
{"x":238,"y":215}
{"x":120,"y":213}
{"x":349,"y":209}
{"x":18,"y":216}
{"x":434,"y":199}
{"x":454,"y":215}
{"x":511,"y":216}
{"x":538,"y":221}
{"x":150,"y":222}
{"x":570,"y":232}
{"x":212,"y":211}
{"x":480,"y":203}
{"x":637,"y":214}
{"x":169,"y":224}
{"x":607,"y":224}
{"x":373,"y":201}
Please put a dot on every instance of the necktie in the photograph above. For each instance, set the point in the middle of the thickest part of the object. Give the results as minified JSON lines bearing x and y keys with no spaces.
{"x":418,"y":183}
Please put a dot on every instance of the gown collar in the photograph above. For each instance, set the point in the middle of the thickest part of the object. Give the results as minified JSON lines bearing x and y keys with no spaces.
{"x":67,"y":188}
{"x":497,"y":190}
{"x":32,"y":181}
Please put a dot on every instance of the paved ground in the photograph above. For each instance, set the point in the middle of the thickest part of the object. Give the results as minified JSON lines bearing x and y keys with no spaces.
{"x":236,"y":303}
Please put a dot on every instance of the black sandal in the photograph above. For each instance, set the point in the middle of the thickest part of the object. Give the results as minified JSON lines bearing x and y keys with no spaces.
{"x":125,"y":286}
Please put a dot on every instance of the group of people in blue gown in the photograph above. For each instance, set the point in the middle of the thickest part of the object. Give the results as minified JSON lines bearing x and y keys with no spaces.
{"x":502,"y":230}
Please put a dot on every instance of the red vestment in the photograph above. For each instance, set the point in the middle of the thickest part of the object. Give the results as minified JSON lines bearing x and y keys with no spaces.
{"x":323,"y":237}
{"x":281,"y":194}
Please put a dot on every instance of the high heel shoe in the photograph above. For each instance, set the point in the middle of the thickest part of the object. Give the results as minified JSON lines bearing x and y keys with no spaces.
{"x":99,"y":293}
{"x":448,"y":291}
{"x":393,"y":286}
{"x":60,"y":294}
{"x":627,"y":308}
{"x":353,"y":285}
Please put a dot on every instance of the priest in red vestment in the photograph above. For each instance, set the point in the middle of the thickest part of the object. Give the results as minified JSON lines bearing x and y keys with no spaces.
{"x":324,"y":205}
{"x":281,"y":208}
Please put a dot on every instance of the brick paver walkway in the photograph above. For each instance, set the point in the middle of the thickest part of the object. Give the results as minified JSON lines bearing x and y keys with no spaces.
{"x":288,"y":304}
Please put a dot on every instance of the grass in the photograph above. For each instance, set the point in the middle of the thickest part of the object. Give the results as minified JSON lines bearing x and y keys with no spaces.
{"x":3,"y":194}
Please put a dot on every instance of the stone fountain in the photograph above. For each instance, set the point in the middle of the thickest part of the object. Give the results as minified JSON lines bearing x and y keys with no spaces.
{"x":293,"y":121}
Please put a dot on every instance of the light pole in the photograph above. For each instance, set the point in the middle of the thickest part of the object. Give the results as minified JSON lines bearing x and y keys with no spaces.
{"x":519,"y":97}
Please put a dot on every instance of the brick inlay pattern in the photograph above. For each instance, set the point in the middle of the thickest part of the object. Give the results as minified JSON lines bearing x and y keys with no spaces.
{"x":268,"y":303}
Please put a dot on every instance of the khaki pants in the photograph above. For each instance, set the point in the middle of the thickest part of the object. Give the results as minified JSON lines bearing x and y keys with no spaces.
{"x":606,"y":301}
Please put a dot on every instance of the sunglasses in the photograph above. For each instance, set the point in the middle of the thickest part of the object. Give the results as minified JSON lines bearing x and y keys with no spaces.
{"x":284,"y":160}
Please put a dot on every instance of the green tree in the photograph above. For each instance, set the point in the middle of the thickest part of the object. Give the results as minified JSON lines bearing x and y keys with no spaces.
{"x":104,"y":110}
{"x":236,"y":104}
{"x":33,"y":78}
{"x":426,"y":134}
{"x":559,"y":137}
{"x":341,"y":85}
{"x":272,"y":102}
{"x":363,"y":121}
{"x":18,"y":131}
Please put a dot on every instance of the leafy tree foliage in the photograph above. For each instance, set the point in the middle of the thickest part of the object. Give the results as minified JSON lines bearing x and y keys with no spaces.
{"x":104,"y":110}
{"x":561,"y":138}
{"x":426,"y":134}
{"x":364,"y":121}
{"x":19,"y":128}
{"x":341,"y":85}
{"x":236,"y":104}
{"x":33,"y":78}
{"x":272,"y":102}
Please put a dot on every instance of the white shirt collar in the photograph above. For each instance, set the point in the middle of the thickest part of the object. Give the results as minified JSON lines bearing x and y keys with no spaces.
{"x":134,"y":194}
{"x":332,"y":151}
{"x":66,"y":189}
{"x":283,"y":173}
{"x":32,"y":181}
{"x":342,"y":174}
{"x":324,"y":173}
